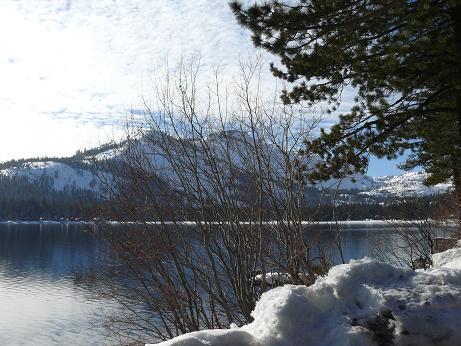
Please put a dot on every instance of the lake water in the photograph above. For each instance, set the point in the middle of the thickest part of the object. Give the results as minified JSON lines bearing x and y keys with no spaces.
{"x":41,"y":303}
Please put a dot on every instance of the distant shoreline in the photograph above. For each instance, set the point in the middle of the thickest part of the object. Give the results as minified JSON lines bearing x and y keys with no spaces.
{"x":369,"y":222}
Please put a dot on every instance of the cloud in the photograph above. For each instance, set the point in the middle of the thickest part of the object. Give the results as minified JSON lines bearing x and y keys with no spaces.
{"x":82,"y":65}
{"x":88,"y":62}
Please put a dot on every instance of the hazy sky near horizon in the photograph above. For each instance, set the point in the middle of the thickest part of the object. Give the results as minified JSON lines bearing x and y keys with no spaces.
{"x":71,"y":70}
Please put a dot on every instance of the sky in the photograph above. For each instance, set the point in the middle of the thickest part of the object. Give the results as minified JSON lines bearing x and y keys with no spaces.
{"x":71,"y":70}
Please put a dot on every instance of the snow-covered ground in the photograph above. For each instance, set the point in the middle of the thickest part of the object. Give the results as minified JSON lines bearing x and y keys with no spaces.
{"x":364,"y":302}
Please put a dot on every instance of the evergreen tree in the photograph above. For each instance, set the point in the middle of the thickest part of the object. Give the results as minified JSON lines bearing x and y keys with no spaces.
{"x":403,"y":59}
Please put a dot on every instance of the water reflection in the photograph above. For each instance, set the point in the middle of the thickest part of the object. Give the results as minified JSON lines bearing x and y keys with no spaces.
{"x":39,"y":302}
{"x":368,"y":240}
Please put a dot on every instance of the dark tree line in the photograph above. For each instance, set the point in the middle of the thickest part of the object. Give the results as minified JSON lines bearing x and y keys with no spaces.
{"x":75,"y":162}
{"x":410,"y":208}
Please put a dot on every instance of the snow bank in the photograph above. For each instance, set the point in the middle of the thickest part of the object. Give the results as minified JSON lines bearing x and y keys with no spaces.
{"x":364,"y":302}
{"x":448,"y":259}
{"x":273,"y":278}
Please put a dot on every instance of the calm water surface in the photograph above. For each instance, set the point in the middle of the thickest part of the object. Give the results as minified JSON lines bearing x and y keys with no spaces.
{"x":41,"y":303}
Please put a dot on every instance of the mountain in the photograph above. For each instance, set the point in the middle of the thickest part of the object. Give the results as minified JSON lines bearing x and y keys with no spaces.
{"x":66,"y":179}
{"x":408,"y":184}
{"x":51,"y":188}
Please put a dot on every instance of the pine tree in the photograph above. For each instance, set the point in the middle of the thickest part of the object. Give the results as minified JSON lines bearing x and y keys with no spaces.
{"x":403,"y":59}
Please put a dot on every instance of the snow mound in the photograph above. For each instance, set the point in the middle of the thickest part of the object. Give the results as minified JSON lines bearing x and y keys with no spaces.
{"x":221,"y":337}
{"x":364,"y":302}
{"x":448,"y":259}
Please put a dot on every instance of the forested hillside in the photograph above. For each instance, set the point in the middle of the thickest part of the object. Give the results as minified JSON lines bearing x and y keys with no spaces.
{"x":22,"y":199}
{"x":69,"y":188}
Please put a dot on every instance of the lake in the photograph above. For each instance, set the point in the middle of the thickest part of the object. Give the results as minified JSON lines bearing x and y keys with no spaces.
{"x":42,"y":303}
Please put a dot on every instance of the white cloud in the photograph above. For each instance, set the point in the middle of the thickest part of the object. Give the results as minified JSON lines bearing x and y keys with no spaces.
{"x":70,"y":69}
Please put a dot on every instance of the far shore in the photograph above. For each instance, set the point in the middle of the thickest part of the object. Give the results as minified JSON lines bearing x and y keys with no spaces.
{"x":339,"y":223}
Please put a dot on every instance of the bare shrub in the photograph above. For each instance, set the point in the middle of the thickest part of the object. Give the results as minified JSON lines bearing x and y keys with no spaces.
{"x":208,"y":199}
{"x":415,"y":240}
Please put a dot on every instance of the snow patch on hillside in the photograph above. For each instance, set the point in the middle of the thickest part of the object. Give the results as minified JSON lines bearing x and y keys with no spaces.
{"x":356,"y":304}
{"x":62,"y":175}
{"x":408,"y":184}
{"x":105,"y":155}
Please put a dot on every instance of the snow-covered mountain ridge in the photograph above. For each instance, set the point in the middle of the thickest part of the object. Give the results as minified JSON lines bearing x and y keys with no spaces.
{"x":408,"y":184}
{"x":78,"y":172}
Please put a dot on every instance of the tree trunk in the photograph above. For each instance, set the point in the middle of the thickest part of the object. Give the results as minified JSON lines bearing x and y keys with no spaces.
{"x":456,"y":15}
{"x":457,"y":183}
